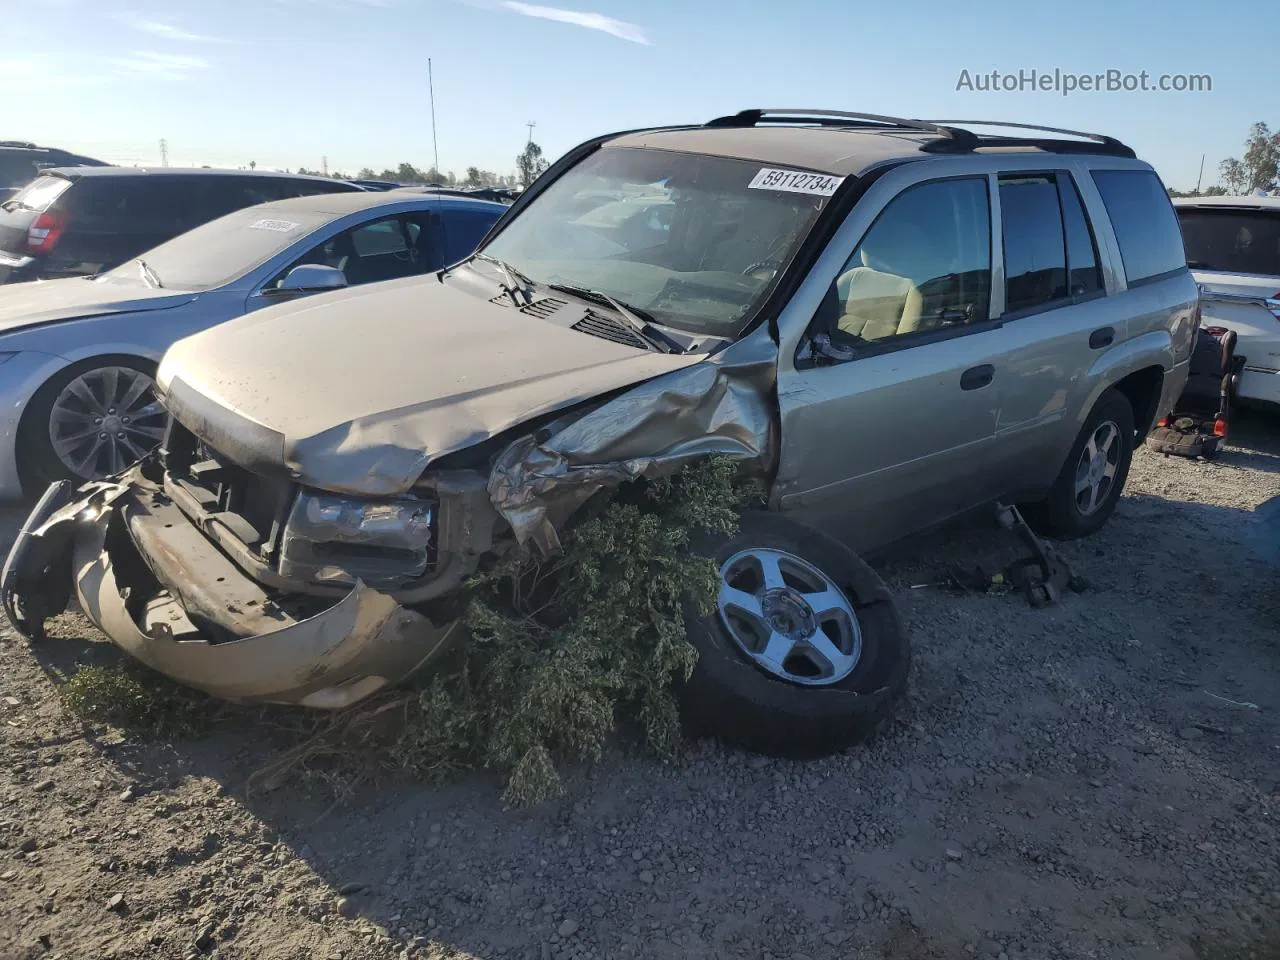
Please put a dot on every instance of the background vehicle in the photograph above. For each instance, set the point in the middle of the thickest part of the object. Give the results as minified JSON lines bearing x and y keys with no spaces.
{"x":22,"y":162}
{"x":1233,"y":249}
{"x":77,"y":355}
{"x":885,"y":321}
{"x":72,"y":221}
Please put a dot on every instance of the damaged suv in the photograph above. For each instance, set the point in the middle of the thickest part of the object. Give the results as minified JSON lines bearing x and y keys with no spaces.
{"x":889,"y":322}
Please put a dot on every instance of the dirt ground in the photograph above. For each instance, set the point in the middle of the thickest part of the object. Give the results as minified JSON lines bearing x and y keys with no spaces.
{"x":1062,"y":783}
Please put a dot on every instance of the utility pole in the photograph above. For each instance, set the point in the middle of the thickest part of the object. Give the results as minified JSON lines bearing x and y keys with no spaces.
{"x":164,"y":152}
{"x":531,"y":124}
{"x":1201,"y":177}
{"x":431,"y":91}
{"x":324,"y":165}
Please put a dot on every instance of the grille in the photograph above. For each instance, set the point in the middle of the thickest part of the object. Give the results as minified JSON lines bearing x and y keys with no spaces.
{"x":249,"y":504}
{"x":609,"y":329}
{"x":542,"y":309}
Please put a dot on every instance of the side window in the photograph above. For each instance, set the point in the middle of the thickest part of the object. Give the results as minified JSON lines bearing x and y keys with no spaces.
{"x":1085,"y":277}
{"x":380,"y":250}
{"x":1035,"y":254}
{"x":924,"y":265}
{"x":463,"y":230}
{"x":1144,"y":222}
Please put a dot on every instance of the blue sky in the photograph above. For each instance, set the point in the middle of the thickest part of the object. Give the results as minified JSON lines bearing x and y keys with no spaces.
{"x":287,"y":82}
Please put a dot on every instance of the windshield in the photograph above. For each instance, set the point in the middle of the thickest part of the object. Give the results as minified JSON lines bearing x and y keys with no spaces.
{"x":696,"y":242}
{"x":225,"y":249}
{"x":1233,"y":241}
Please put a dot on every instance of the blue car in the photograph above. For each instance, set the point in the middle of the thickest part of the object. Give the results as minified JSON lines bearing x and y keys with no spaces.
{"x":77,"y":355}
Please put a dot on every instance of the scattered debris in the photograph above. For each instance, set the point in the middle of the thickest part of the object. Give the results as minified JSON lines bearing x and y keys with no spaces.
{"x":1235,"y":703}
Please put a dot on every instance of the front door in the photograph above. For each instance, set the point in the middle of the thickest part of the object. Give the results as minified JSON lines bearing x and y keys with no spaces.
{"x":889,"y":433}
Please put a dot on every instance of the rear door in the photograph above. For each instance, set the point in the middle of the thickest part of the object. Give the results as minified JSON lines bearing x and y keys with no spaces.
{"x":1235,"y":254}
{"x":1056,"y":321}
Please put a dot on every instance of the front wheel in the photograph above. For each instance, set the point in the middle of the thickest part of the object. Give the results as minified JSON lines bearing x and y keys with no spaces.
{"x":92,"y":419}
{"x":1092,"y":478}
{"x":805,"y":653}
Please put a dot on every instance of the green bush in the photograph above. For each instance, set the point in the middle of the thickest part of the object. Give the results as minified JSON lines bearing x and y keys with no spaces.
{"x":560,"y":649}
{"x":136,"y":700}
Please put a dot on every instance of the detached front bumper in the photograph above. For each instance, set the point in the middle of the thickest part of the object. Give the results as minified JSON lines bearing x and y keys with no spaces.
{"x":159,"y":588}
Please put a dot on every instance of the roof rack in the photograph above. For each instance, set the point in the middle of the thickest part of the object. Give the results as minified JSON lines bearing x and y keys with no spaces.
{"x":838,"y":118}
{"x":1094,"y":140}
{"x":953,"y":137}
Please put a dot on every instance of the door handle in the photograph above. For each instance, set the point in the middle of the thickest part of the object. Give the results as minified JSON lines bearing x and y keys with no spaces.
{"x":975,"y":378}
{"x":1102,"y":337}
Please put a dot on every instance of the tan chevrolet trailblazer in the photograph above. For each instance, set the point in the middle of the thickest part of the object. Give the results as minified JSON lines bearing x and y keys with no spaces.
{"x":889,"y":321}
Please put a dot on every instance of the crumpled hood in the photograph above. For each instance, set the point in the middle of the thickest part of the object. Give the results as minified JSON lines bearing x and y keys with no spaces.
{"x":357,"y":391}
{"x":47,"y":301}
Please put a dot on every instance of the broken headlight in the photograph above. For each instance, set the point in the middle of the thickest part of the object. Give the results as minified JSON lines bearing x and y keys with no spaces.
{"x":339,"y":540}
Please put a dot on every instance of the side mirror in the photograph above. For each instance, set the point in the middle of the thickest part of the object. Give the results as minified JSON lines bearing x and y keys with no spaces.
{"x":311,"y":278}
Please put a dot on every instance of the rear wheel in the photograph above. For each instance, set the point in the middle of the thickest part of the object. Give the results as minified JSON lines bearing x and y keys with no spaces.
{"x":804,"y":654}
{"x":92,"y":419}
{"x":1093,"y":476}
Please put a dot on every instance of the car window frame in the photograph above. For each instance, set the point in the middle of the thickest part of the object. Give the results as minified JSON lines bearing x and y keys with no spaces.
{"x":876,"y":348}
{"x":1068,"y":301}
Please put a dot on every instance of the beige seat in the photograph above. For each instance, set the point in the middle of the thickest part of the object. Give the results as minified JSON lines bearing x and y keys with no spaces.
{"x":877,"y":304}
{"x":879,"y":299}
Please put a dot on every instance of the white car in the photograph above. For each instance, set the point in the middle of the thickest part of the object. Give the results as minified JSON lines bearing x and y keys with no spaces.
{"x":1233,"y":249}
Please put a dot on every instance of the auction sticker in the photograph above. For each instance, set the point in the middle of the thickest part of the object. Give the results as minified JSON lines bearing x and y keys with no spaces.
{"x":796,"y":181}
{"x":279,"y":226}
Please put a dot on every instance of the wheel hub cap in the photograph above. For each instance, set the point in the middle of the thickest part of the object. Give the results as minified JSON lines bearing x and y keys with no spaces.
{"x":1096,"y":471}
{"x":788,"y":617}
{"x":104,"y":420}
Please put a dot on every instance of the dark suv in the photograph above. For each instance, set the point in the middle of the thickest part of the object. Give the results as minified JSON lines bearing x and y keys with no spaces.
{"x":20,"y":162}
{"x":72,"y":221}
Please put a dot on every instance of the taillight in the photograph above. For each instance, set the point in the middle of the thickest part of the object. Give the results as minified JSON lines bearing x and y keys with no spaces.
{"x":1219,"y":427}
{"x":45,"y":232}
{"x":1273,"y":304}
{"x":1162,"y":422}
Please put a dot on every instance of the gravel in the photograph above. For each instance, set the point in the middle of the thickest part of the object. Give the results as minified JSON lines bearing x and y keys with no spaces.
{"x":1060,"y":783}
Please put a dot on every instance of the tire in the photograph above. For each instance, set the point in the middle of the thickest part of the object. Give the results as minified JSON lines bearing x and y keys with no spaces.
{"x":39,"y":461}
{"x":1062,"y":514}
{"x":732,"y":697}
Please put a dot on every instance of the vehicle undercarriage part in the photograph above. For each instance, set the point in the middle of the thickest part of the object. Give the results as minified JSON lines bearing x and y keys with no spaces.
{"x":1044,"y":575}
{"x":720,"y":406}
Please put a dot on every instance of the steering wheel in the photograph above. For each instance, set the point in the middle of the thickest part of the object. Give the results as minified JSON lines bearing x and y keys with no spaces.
{"x":761,"y":266}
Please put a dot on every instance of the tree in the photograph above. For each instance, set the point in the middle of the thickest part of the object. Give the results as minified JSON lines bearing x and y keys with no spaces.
{"x":1260,"y":168}
{"x":366,"y":173}
{"x":473,"y":177}
{"x":530,"y":164}
{"x":408,"y":173}
{"x":253,"y":164}
{"x":1233,"y":175}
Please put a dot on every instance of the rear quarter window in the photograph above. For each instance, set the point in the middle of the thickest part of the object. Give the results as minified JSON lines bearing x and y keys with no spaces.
{"x":1145,"y":225}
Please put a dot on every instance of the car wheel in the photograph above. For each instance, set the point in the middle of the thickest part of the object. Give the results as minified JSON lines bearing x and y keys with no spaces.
{"x":804,"y":654}
{"x":1093,"y":476}
{"x":93,"y":419}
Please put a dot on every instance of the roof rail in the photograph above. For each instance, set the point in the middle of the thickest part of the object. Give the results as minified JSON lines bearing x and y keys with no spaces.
{"x":953,"y":135}
{"x":1109,"y":144}
{"x":837,"y":118}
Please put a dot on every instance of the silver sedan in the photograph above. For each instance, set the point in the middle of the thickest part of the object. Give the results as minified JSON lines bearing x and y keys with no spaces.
{"x":77,"y":356}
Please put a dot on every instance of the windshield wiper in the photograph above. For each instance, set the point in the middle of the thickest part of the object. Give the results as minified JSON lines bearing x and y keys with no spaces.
{"x":639,"y":320}
{"x":149,"y":275}
{"x":515,"y":279}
